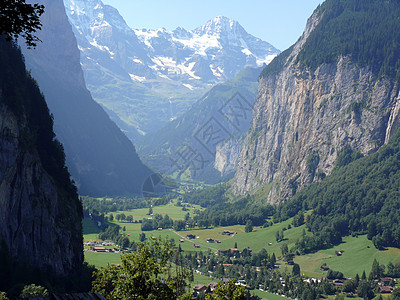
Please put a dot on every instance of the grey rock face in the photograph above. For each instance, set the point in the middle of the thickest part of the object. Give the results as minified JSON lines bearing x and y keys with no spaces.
{"x":41,"y":226}
{"x":301,"y":120}
{"x":227,"y":156}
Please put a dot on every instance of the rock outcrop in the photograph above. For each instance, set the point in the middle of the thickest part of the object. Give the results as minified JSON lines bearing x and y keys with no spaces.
{"x":40,"y":213}
{"x":303,"y":118}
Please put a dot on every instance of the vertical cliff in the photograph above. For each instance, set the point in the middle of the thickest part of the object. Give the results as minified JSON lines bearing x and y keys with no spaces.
{"x":40,"y":213}
{"x":100,"y":157}
{"x":313,"y":103}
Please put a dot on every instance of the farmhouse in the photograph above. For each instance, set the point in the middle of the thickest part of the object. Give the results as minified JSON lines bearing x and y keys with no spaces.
{"x":213,"y":285}
{"x":190,"y":236}
{"x":209,"y":240}
{"x":196,"y":245}
{"x":99,"y":249}
{"x":385,"y":289}
{"x":227,"y":232}
{"x":324,"y":268}
{"x":199,"y":288}
{"x":386,"y":280}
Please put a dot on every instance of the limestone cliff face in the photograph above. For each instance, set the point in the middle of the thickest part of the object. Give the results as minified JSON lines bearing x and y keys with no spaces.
{"x":227,"y":155}
{"x":303,"y":118}
{"x":40,"y":215}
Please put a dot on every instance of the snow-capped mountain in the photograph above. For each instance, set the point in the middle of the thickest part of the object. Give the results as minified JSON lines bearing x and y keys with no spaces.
{"x":212,"y":53}
{"x":145,"y":76}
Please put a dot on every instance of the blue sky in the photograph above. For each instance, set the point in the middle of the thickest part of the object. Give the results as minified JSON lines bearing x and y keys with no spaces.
{"x":279,"y":22}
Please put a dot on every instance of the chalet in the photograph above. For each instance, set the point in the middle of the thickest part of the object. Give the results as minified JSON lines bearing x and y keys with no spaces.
{"x":190,"y":236}
{"x":324,"y":268}
{"x":213,"y":285}
{"x":218,"y":241}
{"x":196,"y":245}
{"x":209,"y":240}
{"x":233,"y":250}
{"x":225,"y":280}
{"x":199,"y":288}
{"x":227,"y":265}
{"x":386,"y":280}
{"x":338,"y":282}
{"x":182,"y":240}
{"x":99,"y":249}
{"x":228,"y":232}
{"x":385,"y":289}
{"x":159,"y":229}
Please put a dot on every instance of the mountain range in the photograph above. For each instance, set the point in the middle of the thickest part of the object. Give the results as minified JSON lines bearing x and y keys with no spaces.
{"x":145,"y":78}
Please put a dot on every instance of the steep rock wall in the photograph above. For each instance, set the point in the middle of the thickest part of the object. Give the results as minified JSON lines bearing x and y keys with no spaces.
{"x":302,"y":119}
{"x":40,"y":213}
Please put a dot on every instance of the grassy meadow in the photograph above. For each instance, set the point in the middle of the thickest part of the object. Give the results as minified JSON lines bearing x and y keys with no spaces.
{"x":358,"y":252}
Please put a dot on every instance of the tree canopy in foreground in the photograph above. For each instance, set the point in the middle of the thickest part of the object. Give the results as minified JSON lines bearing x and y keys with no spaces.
{"x":20,"y":19}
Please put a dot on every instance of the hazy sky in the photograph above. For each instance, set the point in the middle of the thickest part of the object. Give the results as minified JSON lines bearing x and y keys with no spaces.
{"x":279,"y":22}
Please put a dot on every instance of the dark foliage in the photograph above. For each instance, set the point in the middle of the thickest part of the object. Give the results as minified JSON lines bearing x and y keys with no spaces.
{"x":104,"y":206}
{"x":17,"y":18}
{"x":220,"y":212}
{"x":158,"y":221}
{"x":112,"y":234}
{"x":363,"y":197}
{"x":366,"y":30}
{"x":207,"y":197}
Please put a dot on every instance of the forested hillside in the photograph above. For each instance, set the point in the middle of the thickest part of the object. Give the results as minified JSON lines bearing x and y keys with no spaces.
{"x":360,"y":197}
{"x":364,"y":29}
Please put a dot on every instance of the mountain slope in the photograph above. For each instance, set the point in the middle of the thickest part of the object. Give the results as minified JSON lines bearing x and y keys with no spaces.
{"x":100,"y":157}
{"x":360,"y":197}
{"x":204,"y":143}
{"x":148,"y":77}
{"x":307,"y":112}
{"x":40,"y":213}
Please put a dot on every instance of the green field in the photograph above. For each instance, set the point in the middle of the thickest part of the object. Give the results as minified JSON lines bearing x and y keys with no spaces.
{"x":358,"y":254}
{"x":174,"y":212}
{"x":102,"y":259}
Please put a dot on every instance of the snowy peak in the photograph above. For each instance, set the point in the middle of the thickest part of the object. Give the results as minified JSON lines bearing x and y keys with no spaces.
{"x":220,"y":25}
{"x":158,"y":62}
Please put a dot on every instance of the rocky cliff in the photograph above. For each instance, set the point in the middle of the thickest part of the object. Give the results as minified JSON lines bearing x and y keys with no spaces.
{"x":304,"y":117}
{"x":40,"y":213}
{"x":100,"y":157}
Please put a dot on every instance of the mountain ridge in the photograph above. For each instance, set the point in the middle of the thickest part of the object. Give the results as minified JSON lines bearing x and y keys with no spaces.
{"x":148,"y":77}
